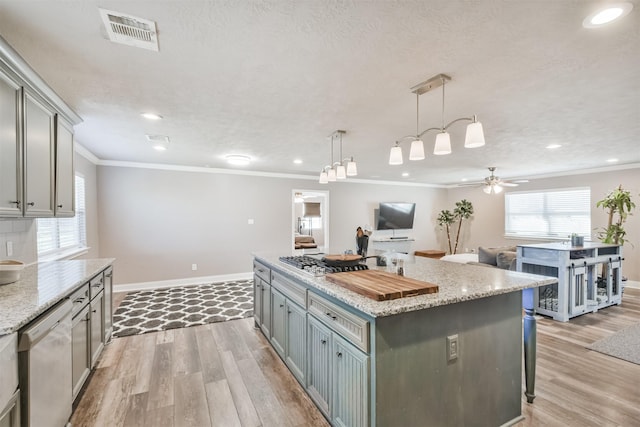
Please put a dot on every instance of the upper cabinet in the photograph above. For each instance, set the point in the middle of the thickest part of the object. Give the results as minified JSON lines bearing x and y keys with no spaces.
{"x":10,"y":148}
{"x":36,"y":143}
{"x":65,"y":180}
{"x":39,"y":158}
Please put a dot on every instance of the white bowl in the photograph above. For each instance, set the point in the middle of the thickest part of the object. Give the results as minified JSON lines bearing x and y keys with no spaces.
{"x":10,"y":271}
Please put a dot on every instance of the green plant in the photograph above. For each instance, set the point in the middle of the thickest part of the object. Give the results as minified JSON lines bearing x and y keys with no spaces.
{"x":462,"y":211}
{"x":619,"y":203}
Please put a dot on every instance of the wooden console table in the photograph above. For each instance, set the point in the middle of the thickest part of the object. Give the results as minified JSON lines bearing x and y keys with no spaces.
{"x":431,"y":253}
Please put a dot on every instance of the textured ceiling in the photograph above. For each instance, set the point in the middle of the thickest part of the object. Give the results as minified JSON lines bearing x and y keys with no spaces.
{"x":273,"y":79}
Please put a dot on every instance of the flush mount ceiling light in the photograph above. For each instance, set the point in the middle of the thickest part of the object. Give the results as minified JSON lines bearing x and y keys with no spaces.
{"x":553,"y":146}
{"x":158,"y":142}
{"x":474,"y":136}
{"x":607,"y":14}
{"x":238,"y":159}
{"x":151,"y":116}
{"x":341,"y":169}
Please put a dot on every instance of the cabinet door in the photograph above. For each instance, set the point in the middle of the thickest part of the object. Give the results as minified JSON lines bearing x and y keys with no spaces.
{"x":97,"y":327}
{"x":350,"y":385}
{"x":65,"y":175}
{"x":10,"y":155}
{"x":38,"y":157}
{"x":278,"y":320}
{"x":257,"y":299}
{"x":295,"y":348}
{"x":81,"y":354}
{"x":108,"y":303}
{"x":319,"y":364}
{"x":265,"y":300}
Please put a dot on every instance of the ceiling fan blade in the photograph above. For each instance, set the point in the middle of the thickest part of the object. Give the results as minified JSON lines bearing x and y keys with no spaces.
{"x":509,"y":184}
{"x":471,"y":184}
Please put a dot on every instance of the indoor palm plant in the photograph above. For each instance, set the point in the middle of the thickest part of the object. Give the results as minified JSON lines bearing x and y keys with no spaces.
{"x":446,"y":218}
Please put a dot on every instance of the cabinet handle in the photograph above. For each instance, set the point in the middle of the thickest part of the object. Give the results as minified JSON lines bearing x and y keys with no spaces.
{"x":15,"y":202}
{"x":258,"y":286}
{"x":59,"y":206}
{"x":94,"y":311}
{"x":31,"y":204}
{"x":281,"y":305}
{"x":323,"y":342}
{"x":97,"y":285}
{"x":289,"y":311}
{"x":78,"y":300}
{"x":339,"y":354}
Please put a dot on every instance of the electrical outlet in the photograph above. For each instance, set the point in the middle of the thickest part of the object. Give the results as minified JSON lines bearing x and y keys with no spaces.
{"x":453,"y":349}
{"x":9,"y":248}
{"x":250,"y":221}
{"x":194,"y":267}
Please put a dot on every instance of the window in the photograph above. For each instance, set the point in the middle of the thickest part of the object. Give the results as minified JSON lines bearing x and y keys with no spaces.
{"x":58,"y":237}
{"x":548,"y":214}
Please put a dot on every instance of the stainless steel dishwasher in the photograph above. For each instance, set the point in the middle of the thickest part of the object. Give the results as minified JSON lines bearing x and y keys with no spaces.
{"x":44,"y":356}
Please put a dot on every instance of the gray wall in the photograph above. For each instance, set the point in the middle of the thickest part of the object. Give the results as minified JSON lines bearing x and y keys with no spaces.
{"x":487,"y":226}
{"x":157,"y":223}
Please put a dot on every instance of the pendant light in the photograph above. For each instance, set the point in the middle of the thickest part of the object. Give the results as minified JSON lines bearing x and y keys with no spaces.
{"x":474,"y":136}
{"x":341,"y":169}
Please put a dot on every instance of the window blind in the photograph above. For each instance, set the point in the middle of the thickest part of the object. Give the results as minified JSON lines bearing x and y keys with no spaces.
{"x":62,"y":234}
{"x":548,"y":214}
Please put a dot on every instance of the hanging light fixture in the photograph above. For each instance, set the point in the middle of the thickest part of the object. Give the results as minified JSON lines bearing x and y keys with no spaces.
{"x":473,"y":138}
{"x":341,"y":169}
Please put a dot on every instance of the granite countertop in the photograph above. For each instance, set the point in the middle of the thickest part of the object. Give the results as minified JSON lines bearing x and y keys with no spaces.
{"x":456,"y":282}
{"x":41,"y":286}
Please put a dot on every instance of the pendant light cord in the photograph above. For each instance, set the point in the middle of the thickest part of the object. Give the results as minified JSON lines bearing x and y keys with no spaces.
{"x":443,"y":83}
{"x":417,"y":115}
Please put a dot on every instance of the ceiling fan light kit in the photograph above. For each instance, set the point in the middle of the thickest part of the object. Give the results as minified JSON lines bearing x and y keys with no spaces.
{"x":341,"y":169}
{"x":474,"y":136}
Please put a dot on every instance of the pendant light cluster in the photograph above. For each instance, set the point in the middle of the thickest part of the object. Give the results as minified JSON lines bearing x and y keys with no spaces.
{"x":474,"y":137}
{"x":341,"y":169}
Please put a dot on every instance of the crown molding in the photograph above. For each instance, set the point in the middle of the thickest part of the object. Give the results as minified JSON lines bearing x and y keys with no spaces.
{"x":80,"y":149}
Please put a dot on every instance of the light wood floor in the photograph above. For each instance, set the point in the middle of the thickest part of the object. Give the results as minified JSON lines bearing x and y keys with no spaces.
{"x":226,"y":374}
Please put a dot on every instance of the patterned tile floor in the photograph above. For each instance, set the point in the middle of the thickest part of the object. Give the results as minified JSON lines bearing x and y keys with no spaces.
{"x":180,"y":307}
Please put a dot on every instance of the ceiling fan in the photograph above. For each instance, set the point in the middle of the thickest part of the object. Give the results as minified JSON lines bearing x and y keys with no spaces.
{"x":493,"y":184}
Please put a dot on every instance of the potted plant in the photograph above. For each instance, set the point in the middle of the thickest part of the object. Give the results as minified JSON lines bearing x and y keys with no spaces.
{"x":462,"y":211}
{"x":619,"y":203}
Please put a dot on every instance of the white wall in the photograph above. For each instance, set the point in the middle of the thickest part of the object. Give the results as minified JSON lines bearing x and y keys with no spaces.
{"x":157,"y":223}
{"x":487,"y":225}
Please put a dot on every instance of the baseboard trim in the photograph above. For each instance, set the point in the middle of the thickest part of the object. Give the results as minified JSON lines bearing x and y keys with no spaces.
{"x":631,"y":284}
{"x":141,"y":286}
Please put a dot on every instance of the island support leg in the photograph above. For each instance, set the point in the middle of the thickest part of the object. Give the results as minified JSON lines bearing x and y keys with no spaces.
{"x":529,"y":344}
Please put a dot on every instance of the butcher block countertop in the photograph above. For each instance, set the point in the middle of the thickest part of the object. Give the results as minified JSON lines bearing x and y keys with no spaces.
{"x":456,"y":283}
{"x":41,"y":286}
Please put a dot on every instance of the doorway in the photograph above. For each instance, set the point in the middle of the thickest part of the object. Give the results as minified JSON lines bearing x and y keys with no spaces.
{"x":310,"y":219}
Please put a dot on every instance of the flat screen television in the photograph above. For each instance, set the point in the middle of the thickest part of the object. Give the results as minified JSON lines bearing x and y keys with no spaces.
{"x":395,"y":216}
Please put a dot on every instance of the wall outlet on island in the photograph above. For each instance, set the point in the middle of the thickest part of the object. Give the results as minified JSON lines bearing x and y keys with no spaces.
{"x":453,"y":350}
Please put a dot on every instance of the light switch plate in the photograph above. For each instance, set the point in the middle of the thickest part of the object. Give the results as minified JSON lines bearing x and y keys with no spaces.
{"x":9,"y":248}
{"x":453,"y":349}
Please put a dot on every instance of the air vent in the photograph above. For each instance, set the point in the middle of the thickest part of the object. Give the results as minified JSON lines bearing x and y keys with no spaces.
{"x":130,"y":30}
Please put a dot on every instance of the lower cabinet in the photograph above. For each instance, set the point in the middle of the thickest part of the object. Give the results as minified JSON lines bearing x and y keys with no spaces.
{"x":338,"y":376}
{"x":108,"y":303}
{"x":278,"y":322}
{"x":96,"y":316}
{"x":265,"y":308}
{"x":81,"y":352}
{"x":296,"y":342}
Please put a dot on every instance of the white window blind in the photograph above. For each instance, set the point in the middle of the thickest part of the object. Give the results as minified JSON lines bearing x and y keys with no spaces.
{"x":58,"y":235}
{"x":548,"y":214}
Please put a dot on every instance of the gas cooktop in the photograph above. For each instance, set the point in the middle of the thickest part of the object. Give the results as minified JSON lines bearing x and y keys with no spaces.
{"x":315,"y":266}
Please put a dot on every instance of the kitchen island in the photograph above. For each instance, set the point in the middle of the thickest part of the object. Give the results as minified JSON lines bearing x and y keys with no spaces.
{"x":448,"y":358}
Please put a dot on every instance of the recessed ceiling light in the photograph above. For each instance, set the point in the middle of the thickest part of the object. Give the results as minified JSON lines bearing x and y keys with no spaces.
{"x":159,"y":142}
{"x":405,"y":174}
{"x":151,"y":116}
{"x":607,"y":14}
{"x":297,"y":161}
{"x":464,"y":179}
{"x":553,"y":146}
{"x":612,"y":160}
{"x":238,"y":159}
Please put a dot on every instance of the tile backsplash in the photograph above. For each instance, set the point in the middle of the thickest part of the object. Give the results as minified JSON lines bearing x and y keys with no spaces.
{"x":22,"y":233}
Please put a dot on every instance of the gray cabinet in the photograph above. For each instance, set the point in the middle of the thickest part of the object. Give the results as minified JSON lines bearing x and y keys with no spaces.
{"x":265,"y":308}
{"x":38,"y":157}
{"x":295,"y":346}
{"x":350,"y":384}
{"x":262,"y":297}
{"x":81,"y":352}
{"x":278,"y":322}
{"x":319,"y":364}
{"x":64,"y":170}
{"x":96,"y":316}
{"x":10,"y":153}
{"x":108,"y":303}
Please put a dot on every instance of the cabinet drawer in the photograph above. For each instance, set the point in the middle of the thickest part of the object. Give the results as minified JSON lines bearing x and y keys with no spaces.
{"x":262,"y":271}
{"x":349,"y":325}
{"x":289,"y":288}
{"x":96,"y":286}
{"x":79,"y":299}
